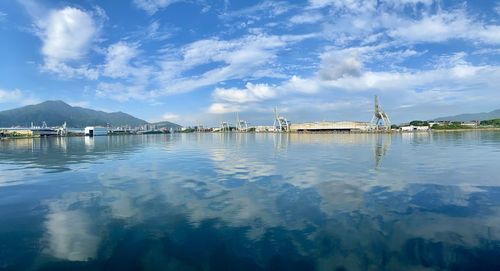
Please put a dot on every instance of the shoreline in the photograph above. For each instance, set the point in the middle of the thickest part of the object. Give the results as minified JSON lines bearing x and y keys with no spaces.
{"x":326,"y":132}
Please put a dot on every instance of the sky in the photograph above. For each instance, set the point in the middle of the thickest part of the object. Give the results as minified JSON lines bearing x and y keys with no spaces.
{"x":199,"y":61}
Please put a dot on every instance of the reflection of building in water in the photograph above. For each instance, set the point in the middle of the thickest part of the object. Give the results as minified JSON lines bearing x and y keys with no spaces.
{"x":382,"y":145}
{"x":335,"y":139}
{"x":281,"y":124}
{"x":89,"y":143}
{"x":416,"y":137}
{"x":281,"y":141}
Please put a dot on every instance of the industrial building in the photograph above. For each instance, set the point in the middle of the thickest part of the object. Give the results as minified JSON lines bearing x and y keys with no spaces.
{"x":380,"y":122}
{"x":96,"y":131}
{"x":331,"y":126}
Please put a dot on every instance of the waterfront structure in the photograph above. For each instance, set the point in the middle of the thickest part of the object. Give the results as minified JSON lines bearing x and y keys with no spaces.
{"x":241,"y":125}
{"x":62,"y":131}
{"x":281,"y":124}
{"x":380,"y":119}
{"x":96,"y":131}
{"x":331,"y":126}
{"x":263,"y":128}
{"x":224,"y":127}
{"x":27,"y":132}
{"x":43,"y":131}
{"x":413,"y":128}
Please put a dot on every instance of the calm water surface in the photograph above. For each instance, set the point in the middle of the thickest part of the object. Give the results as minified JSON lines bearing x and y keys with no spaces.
{"x":251,"y":202}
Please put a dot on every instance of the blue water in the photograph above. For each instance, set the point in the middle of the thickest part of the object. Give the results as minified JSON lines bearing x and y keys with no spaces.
{"x":251,"y":202}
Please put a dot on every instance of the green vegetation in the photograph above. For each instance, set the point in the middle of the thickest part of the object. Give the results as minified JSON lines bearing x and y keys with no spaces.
{"x":451,"y":126}
{"x":492,"y":122}
{"x":57,"y":112}
{"x":188,"y":130}
{"x":15,"y":135}
{"x":419,"y":123}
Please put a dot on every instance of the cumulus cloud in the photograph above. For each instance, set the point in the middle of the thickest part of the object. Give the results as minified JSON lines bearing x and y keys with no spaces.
{"x":118,"y":57}
{"x":457,"y":82}
{"x":338,"y":64}
{"x":67,"y":35}
{"x":251,"y":93}
{"x":224,"y":108}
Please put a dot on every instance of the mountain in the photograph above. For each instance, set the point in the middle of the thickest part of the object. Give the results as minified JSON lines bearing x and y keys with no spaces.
{"x":55,"y":113}
{"x":474,"y":116}
{"x":166,"y":125}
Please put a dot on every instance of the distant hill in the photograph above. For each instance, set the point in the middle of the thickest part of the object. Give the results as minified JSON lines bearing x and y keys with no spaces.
{"x":55,"y":113}
{"x":475,"y":116}
{"x":166,"y":125}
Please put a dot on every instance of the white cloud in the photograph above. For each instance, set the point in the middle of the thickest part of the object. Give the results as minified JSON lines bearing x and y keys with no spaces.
{"x":366,"y":5}
{"x":457,"y":82}
{"x":244,"y":58}
{"x":67,"y":72}
{"x":267,"y":8}
{"x":224,"y":108}
{"x":10,"y":95}
{"x":301,"y":85}
{"x":338,"y":64}
{"x":3,"y":15}
{"x":170,"y":116}
{"x":445,"y":26}
{"x":70,"y":237}
{"x":67,"y":34}
{"x":16,"y":96}
{"x":152,"y":6}
{"x":488,"y":34}
{"x":306,"y":18}
{"x":118,"y":59}
{"x":434,"y":28}
{"x":156,"y":32}
{"x":251,"y":93}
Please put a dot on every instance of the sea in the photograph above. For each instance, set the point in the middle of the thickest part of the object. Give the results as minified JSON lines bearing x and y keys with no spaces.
{"x":249,"y":201}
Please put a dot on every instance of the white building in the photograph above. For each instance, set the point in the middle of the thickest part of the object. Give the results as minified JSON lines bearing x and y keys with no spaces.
{"x":412,"y":128}
{"x":96,"y":131}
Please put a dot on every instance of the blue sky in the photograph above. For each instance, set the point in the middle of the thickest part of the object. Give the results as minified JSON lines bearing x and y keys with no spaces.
{"x":202,"y":61}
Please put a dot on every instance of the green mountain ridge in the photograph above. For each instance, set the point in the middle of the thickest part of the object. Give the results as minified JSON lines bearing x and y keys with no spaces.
{"x":55,"y":113}
{"x":495,"y":114}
